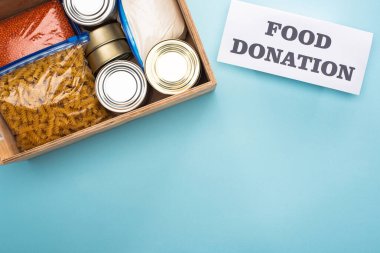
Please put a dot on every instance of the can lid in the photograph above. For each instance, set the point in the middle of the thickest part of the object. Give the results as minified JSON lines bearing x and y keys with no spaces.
{"x":103,"y":35}
{"x":89,"y":13}
{"x":121,"y":86}
{"x":172,"y":67}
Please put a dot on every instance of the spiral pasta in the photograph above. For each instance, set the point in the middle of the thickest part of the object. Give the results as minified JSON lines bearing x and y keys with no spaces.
{"x":50,"y":99}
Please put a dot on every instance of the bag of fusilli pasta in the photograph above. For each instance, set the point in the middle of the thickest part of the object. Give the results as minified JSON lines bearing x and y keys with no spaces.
{"x":50,"y":98}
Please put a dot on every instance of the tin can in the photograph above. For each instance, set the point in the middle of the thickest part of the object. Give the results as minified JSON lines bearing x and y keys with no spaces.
{"x":90,"y":13}
{"x":103,"y":35}
{"x":121,"y":86}
{"x":172,"y":67}
{"x":107,"y":43}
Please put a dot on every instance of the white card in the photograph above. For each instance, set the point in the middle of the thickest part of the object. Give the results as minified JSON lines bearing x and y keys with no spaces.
{"x":294,"y":46}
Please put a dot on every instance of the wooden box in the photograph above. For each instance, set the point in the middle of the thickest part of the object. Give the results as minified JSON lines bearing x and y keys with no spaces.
{"x":8,"y":150}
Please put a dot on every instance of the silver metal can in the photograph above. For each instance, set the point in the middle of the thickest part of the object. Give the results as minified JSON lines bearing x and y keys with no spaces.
{"x":172,"y":67}
{"x":90,"y":13}
{"x":121,"y":86}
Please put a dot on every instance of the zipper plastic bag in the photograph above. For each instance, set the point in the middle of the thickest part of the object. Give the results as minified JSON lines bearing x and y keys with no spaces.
{"x":50,"y":98}
{"x":33,"y":34}
{"x":33,"y":30}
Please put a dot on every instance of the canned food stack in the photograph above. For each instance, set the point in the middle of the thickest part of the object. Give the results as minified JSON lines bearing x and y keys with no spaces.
{"x":107,"y":43}
{"x":134,"y":43}
{"x":82,"y":62}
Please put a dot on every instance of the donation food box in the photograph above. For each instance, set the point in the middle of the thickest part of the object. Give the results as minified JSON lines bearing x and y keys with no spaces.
{"x":27,"y":130}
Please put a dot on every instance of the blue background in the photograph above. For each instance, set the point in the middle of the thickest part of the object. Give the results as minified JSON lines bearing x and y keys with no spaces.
{"x":263,"y":164}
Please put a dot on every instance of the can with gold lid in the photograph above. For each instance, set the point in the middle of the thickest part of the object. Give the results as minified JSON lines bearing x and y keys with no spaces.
{"x":172,"y":67}
{"x":90,"y":13}
{"x":103,"y":35}
{"x":107,"y":43}
{"x":121,"y":86}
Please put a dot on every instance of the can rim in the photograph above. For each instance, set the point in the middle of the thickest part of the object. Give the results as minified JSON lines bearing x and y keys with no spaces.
{"x":140,"y":93}
{"x":89,"y":20}
{"x":188,"y":81}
